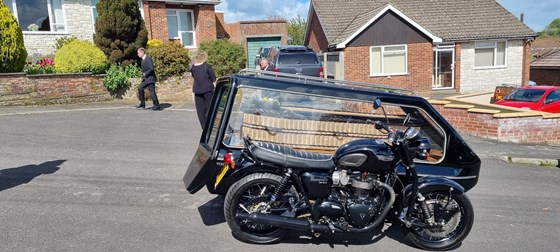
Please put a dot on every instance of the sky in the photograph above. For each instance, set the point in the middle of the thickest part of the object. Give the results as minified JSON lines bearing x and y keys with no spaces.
{"x":538,"y":13}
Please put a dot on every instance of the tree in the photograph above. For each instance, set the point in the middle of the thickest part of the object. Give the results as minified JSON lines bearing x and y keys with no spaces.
{"x":119,"y":30}
{"x":296,"y":30}
{"x":12,"y":49}
{"x":552,"y":30}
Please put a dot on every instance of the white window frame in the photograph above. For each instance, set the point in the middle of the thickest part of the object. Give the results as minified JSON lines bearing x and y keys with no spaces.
{"x":49,"y":10}
{"x":93,"y":7}
{"x":371,"y":74}
{"x":495,"y":47}
{"x":179,"y":25}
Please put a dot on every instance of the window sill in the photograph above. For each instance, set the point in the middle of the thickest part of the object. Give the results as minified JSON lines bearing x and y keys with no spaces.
{"x":490,"y":67}
{"x":387,"y":75}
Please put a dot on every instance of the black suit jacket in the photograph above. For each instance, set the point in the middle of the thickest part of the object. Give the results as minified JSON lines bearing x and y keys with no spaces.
{"x":149,"y":75}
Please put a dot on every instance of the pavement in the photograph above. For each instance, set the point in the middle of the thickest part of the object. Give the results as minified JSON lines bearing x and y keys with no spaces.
{"x":533,"y":154}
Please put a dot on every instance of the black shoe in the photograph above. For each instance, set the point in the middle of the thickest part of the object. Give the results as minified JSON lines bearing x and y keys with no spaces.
{"x":155,"y":108}
{"x":140,"y":107}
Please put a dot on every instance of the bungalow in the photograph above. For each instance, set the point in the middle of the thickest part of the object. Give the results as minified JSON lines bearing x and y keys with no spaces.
{"x":431,"y":47}
{"x":545,"y":64}
{"x":43,"y":21}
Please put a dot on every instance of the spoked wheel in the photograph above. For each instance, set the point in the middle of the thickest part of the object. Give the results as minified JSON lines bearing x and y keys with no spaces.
{"x":452,"y":219}
{"x":252,"y":194}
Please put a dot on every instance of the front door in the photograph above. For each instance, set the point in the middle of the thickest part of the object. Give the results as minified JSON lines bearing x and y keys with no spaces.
{"x":443,"y":74}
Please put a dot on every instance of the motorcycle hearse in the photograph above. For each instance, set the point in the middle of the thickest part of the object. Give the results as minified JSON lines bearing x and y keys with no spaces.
{"x":291,"y":152}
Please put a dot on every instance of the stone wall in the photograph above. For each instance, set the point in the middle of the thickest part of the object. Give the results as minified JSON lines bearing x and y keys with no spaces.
{"x":22,"y":89}
{"x":79,"y":23}
{"x":481,"y":80}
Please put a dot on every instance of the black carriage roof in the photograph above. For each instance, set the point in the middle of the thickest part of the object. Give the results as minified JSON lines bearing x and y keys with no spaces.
{"x":327,"y":87}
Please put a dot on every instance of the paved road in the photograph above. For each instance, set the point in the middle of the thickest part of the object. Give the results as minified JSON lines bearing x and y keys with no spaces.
{"x":110,"y":180}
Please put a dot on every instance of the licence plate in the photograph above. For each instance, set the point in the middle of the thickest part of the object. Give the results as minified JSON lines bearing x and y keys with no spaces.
{"x":220,"y":176}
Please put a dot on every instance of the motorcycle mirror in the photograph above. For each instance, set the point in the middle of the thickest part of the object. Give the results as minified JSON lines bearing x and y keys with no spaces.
{"x":376,"y":103}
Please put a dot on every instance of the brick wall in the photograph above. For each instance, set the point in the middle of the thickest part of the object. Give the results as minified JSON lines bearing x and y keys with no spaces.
{"x":317,"y":38}
{"x":526,"y":72}
{"x":155,"y":18}
{"x":535,"y":129}
{"x":546,"y":76}
{"x":205,"y":21}
{"x":21,"y":89}
{"x":419,"y":77}
{"x":220,"y":26}
{"x":263,"y":29}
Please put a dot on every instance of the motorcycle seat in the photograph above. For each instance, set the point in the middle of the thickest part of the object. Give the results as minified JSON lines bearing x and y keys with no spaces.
{"x":287,"y":157}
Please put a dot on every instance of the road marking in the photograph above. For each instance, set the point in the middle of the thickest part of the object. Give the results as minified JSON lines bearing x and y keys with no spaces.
{"x":84,"y":109}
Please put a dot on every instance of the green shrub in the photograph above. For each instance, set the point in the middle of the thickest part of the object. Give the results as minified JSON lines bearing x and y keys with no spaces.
{"x":12,"y":49}
{"x":119,"y":30}
{"x":117,"y":77}
{"x":224,"y":56}
{"x":154,"y":43}
{"x":60,"y":42}
{"x":170,"y":59}
{"x":80,"y":56}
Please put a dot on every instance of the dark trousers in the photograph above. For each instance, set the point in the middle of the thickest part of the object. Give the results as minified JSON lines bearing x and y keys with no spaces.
{"x":152,"y":88}
{"x":202,"y":103}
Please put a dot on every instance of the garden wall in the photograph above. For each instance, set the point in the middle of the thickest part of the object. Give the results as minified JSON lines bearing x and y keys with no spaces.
{"x":19,"y":89}
{"x":510,"y":127}
{"x":22,"y":89}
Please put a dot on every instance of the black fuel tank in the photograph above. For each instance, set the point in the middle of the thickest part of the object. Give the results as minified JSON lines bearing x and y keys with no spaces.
{"x":365,"y":155}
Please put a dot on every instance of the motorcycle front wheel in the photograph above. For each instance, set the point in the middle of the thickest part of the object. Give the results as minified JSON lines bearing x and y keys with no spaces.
{"x":452,"y":219}
{"x":248,"y":195}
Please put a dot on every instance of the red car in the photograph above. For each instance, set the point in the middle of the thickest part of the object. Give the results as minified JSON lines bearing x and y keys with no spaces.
{"x":541,"y":98}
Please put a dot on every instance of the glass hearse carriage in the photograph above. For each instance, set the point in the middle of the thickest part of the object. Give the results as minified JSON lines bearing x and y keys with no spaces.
{"x":318,"y":116}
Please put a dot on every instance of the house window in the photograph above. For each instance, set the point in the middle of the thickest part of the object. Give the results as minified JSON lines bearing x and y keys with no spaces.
{"x":388,"y":60}
{"x":94,"y":14}
{"x":38,"y":15}
{"x":180,"y":26}
{"x":490,"y":54}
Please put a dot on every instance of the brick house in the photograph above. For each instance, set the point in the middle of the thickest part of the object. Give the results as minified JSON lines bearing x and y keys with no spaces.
{"x":43,"y":21}
{"x":545,"y":66}
{"x":432,"y":47}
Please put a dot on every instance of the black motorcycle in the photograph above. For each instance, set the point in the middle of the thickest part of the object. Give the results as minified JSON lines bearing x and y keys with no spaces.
{"x":353,"y":191}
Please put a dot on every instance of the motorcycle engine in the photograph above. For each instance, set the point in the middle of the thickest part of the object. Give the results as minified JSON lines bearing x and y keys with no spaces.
{"x":360,"y":204}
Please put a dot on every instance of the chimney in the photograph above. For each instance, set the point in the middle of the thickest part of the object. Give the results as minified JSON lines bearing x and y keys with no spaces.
{"x":522,"y":17}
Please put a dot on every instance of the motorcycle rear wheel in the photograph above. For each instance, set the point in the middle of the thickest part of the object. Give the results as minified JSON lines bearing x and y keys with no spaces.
{"x":243,"y":192}
{"x":455,"y":216}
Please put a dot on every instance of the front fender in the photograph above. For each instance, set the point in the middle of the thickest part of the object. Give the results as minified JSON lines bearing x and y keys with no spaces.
{"x":431,"y":184}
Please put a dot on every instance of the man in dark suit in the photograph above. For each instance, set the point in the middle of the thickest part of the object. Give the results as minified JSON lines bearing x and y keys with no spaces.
{"x":265,"y":65}
{"x":148,"y":80}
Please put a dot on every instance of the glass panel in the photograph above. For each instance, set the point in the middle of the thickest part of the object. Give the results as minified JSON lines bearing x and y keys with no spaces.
{"x":303,"y":58}
{"x":186,"y":21}
{"x":484,"y":57}
{"x":445,"y":73}
{"x":217,"y":120}
{"x":394,"y":62}
{"x":172,"y":28}
{"x":485,"y":44}
{"x":187,"y":38}
{"x":318,"y":124}
{"x":395,"y":48}
{"x":376,"y":60}
{"x":554,"y":96}
{"x":57,"y":15}
{"x":171,"y":12}
{"x":526,"y":95}
{"x":33,"y":15}
{"x":501,"y":54}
